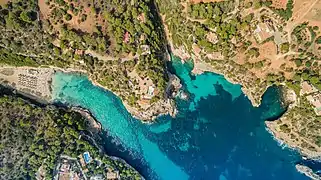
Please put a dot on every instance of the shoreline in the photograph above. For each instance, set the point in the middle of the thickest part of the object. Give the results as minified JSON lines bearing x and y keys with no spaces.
{"x":274,"y":128}
{"x":165,"y":106}
{"x":307,"y":171}
{"x":94,"y":126}
{"x":288,"y":97}
{"x":198,"y":69}
{"x":160,"y":108}
{"x":148,"y":115}
{"x":201,"y":66}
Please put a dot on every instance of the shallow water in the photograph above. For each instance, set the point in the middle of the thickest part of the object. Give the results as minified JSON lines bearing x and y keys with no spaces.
{"x":217,"y":133}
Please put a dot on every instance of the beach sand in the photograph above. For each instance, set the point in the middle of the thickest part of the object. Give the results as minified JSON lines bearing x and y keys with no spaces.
{"x":32,"y":81}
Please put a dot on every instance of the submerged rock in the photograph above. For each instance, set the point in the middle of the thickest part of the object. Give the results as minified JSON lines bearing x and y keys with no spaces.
{"x":183,"y":95}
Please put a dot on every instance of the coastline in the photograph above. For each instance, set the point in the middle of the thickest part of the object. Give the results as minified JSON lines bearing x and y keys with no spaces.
{"x":307,"y":171}
{"x":201,"y":66}
{"x":283,"y":138}
{"x":94,"y":127}
{"x":162,"y":107}
{"x":147,"y":116}
{"x":294,"y":143}
{"x":198,"y":69}
{"x":288,"y":97}
{"x":43,"y":92}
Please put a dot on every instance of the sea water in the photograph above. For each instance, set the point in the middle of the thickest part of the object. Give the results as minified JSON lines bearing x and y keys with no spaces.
{"x":217,"y":133}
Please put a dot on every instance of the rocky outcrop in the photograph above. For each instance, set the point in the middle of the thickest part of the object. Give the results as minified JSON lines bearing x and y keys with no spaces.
{"x":289,"y":129}
{"x":173,"y":86}
{"x":93,"y":125}
{"x":161,"y":107}
{"x":307,"y":171}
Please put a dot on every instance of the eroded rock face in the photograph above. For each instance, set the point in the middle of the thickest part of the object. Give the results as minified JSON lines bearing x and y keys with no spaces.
{"x":163,"y":106}
{"x":174,"y":85}
{"x":307,"y":171}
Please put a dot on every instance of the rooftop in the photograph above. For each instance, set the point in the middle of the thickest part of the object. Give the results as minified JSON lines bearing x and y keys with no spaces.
{"x":263,"y":31}
{"x":307,"y":88}
{"x":315,"y":100}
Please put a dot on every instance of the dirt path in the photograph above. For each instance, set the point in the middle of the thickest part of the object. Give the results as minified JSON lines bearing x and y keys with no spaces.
{"x":287,"y":54}
{"x":202,"y":21}
{"x":184,"y":4}
{"x":2,"y":2}
{"x":289,"y":28}
{"x":109,"y":58}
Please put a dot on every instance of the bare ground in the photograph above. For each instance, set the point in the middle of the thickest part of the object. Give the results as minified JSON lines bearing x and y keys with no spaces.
{"x":2,"y":2}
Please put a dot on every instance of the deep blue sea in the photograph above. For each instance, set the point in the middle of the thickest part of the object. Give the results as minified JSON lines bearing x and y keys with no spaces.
{"x":217,"y":133}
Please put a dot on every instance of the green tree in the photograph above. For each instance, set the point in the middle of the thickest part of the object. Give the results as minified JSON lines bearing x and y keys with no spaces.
{"x":68,"y":17}
{"x":285,"y":47}
{"x":318,"y":40}
{"x":26,"y":16}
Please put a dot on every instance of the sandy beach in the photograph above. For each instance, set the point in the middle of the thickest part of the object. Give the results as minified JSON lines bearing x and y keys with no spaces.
{"x":33,"y":81}
{"x":36,"y":82}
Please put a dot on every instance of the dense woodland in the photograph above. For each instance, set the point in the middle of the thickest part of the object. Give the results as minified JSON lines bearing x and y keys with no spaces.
{"x":27,"y":39}
{"x":308,"y":125}
{"x":22,"y":37}
{"x":33,"y":136}
{"x":231,"y":31}
{"x":121,"y":29}
{"x":214,"y":27}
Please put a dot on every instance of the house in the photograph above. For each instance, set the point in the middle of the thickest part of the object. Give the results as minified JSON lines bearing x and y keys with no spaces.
{"x":212,"y":37}
{"x":97,"y":177}
{"x":196,"y":49}
{"x":112,"y":175}
{"x":75,"y":176}
{"x":315,"y":100}
{"x":82,"y":161}
{"x":141,"y":18}
{"x":307,"y":88}
{"x":64,"y":168}
{"x":263,"y":31}
{"x":126,"y":37}
{"x":145,"y":49}
{"x":79,"y":52}
{"x":150,"y":92}
{"x":64,"y":171}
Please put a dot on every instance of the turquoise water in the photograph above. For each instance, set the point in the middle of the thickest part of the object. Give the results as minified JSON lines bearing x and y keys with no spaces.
{"x":217,"y":133}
